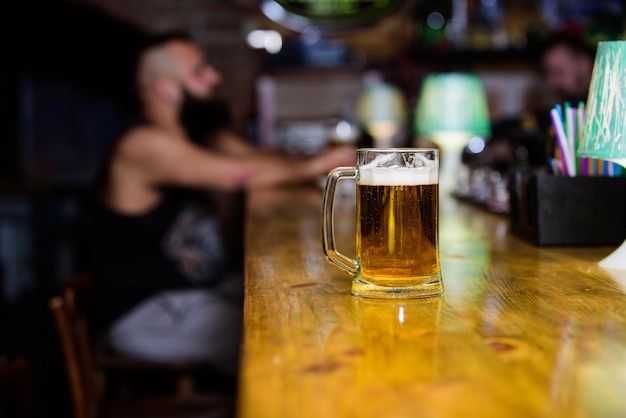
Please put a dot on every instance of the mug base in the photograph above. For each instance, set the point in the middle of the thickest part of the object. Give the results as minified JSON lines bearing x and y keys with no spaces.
{"x":423,"y":290}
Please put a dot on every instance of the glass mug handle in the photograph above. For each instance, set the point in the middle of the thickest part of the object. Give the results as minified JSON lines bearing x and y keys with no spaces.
{"x":328,"y":220}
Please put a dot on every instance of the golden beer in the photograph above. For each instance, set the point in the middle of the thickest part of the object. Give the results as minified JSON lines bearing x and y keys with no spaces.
{"x":397,"y":204}
{"x":396,"y":240}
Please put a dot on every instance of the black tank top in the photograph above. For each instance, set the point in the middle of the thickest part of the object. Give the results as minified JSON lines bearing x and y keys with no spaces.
{"x":178,"y":244}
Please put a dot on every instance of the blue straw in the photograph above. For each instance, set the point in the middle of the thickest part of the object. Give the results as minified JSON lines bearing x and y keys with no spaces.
{"x":559,"y":110}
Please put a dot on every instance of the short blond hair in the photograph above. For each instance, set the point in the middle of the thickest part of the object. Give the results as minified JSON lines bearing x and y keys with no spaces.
{"x":157,"y":59}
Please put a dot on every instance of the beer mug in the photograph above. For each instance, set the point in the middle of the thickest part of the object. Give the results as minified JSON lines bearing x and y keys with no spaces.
{"x":397,"y":208}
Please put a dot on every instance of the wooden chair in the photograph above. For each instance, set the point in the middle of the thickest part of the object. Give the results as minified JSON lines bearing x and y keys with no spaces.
{"x":86,"y":384}
{"x":80,"y":298}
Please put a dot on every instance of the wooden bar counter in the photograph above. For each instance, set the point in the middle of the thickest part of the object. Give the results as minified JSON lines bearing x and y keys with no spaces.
{"x":521,"y":331}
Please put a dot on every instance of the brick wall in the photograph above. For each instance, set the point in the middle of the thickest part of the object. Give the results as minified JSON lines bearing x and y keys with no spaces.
{"x":217,"y":25}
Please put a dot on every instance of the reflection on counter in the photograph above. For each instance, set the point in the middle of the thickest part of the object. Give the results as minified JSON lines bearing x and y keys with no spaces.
{"x":399,"y":338}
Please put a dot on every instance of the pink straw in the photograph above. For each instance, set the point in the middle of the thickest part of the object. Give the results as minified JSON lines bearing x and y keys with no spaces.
{"x":562,"y":142}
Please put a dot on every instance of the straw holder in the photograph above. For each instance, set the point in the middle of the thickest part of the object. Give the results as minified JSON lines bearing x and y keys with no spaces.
{"x":553,"y":210}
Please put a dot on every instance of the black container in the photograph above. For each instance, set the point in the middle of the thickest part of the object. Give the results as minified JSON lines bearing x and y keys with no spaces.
{"x":553,"y":210}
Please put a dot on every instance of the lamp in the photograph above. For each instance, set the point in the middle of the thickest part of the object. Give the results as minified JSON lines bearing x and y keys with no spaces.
{"x":452,"y":108}
{"x":604,"y":133}
{"x":381,"y":110}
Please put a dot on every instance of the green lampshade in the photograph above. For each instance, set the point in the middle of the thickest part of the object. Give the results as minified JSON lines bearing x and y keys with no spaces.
{"x":452,"y":107}
{"x":452,"y":102}
{"x":604,"y":133}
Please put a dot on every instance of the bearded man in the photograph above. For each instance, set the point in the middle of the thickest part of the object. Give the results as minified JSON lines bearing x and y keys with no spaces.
{"x":164,"y":292}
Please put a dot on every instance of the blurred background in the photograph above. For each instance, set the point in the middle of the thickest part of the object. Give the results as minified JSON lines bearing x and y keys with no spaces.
{"x":292,"y":82}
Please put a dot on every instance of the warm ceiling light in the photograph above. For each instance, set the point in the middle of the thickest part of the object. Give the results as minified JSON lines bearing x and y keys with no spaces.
{"x":270,"y":40}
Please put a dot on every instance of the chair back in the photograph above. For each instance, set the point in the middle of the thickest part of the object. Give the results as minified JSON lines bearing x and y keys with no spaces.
{"x":74,"y":338}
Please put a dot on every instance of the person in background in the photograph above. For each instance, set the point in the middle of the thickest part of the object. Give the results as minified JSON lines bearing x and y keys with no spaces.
{"x":164,"y":289}
{"x":567,"y":64}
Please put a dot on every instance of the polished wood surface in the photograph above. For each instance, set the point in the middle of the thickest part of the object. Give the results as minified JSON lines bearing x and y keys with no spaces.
{"x":521,"y":331}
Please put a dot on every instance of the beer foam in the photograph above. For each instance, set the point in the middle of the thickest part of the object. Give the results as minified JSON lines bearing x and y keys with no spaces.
{"x":397,"y":176}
